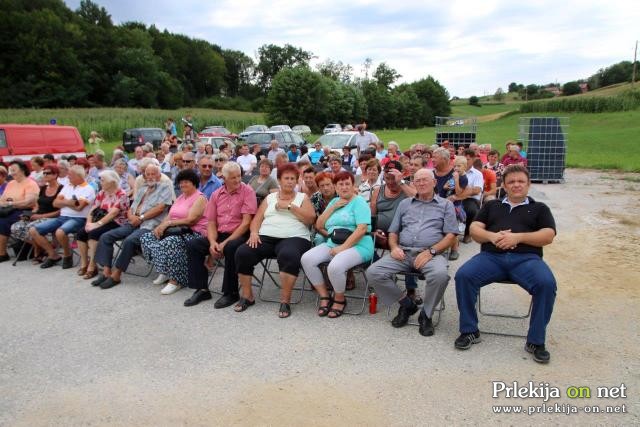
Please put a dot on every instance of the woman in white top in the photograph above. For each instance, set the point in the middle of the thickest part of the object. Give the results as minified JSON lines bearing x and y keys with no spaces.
{"x":279,"y":230}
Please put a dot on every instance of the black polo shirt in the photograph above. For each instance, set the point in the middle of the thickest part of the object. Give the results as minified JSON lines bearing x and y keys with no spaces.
{"x":498,"y":216}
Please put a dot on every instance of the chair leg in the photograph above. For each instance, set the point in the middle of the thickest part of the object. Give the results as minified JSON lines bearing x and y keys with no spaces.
{"x":268,"y":273}
{"x":504,"y":316}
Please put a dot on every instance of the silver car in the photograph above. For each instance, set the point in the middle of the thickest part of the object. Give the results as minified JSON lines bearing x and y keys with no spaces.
{"x":331,"y":128}
{"x":302,"y":130}
{"x":253,"y":129}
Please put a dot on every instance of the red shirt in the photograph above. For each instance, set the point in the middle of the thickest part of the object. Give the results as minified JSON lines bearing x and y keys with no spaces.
{"x":517,"y":161}
{"x":227,"y":208}
{"x":489,"y":179}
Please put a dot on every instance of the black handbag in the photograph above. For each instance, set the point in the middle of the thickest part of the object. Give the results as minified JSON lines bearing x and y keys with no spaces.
{"x":340,"y":235}
{"x":177,"y":230}
{"x":97,"y":214}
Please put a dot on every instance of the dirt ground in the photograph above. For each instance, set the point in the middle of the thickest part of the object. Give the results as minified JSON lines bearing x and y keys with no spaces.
{"x":133,"y":357}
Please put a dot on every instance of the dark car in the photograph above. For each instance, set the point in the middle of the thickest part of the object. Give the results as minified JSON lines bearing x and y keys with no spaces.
{"x":131,"y":138}
{"x":285,"y":140}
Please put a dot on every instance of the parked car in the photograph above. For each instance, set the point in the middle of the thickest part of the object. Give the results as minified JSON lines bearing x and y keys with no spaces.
{"x":302,"y":130}
{"x":253,"y":129}
{"x":331,"y":128}
{"x":280,"y":127}
{"x":217,"y":141}
{"x":218,"y":131}
{"x":131,"y":138}
{"x":284,"y":138}
{"x":21,"y":142}
{"x":338,"y":140}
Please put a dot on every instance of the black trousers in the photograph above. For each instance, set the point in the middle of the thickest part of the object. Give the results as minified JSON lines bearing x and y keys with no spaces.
{"x":287,"y":251}
{"x":471,"y":207}
{"x":197,"y":251}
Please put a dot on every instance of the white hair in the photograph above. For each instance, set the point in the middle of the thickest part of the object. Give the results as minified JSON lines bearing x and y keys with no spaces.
{"x":441,"y":152}
{"x":230,"y":167}
{"x":110,"y":175}
{"x":78,"y":170}
{"x":146,"y":161}
{"x":395,"y":144}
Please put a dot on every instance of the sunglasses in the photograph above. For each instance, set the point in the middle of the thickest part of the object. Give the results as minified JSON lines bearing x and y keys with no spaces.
{"x":47,"y":173}
{"x":206,"y":166}
{"x":219,"y":160}
{"x":188,"y":161}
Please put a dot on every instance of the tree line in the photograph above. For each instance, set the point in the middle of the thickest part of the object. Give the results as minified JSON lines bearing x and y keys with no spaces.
{"x":53,"y":56}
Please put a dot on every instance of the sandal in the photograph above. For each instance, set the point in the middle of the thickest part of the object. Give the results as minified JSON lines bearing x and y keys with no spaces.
{"x":284,"y":311}
{"x":38,"y":260}
{"x":338,"y":312}
{"x":90,"y":274}
{"x":243,"y":304}
{"x":82,"y":271}
{"x":323,"y":310}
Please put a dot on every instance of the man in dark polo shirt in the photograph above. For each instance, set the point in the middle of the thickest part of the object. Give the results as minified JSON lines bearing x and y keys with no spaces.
{"x":423,"y":227}
{"x":512,"y":233}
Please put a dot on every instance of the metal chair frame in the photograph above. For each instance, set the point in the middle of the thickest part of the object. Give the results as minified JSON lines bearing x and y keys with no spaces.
{"x":437,"y":311}
{"x":503,"y":315}
{"x":353,"y":295}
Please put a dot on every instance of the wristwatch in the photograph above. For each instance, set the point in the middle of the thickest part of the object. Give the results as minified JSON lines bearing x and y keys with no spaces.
{"x":289,"y":207}
{"x":403,"y":182}
{"x":142,"y":217}
{"x":433,"y":251}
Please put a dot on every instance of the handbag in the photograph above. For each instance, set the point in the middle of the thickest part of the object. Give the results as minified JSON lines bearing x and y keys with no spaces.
{"x":97,"y":214}
{"x":177,"y":230}
{"x":340,"y":235}
{"x":5,"y":211}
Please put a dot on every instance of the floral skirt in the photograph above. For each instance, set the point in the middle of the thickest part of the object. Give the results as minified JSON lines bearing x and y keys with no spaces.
{"x":168,"y":255}
{"x":20,"y":229}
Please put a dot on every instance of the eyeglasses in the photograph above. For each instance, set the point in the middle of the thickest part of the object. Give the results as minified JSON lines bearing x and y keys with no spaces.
{"x":47,"y":173}
{"x":206,"y":166}
{"x":219,"y":160}
{"x":188,"y":161}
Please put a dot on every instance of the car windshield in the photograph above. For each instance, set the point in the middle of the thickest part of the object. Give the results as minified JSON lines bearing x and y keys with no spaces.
{"x":255,"y":128}
{"x":335,"y":140}
{"x":260,"y":138}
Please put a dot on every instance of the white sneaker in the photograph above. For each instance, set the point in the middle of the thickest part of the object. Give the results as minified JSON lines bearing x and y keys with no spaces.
{"x":170,"y":288}
{"x":160,"y":279}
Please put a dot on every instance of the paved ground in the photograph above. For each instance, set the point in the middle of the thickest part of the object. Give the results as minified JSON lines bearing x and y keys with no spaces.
{"x":72,"y":354}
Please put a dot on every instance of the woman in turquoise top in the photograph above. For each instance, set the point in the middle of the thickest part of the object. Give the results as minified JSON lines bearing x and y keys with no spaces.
{"x":347,"y":212}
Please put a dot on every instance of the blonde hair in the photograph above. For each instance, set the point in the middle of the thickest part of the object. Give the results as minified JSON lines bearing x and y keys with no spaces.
{"x":460,"y":160}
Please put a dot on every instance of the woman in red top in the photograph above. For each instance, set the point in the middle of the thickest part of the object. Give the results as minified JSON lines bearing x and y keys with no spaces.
{"x":112,"y":202}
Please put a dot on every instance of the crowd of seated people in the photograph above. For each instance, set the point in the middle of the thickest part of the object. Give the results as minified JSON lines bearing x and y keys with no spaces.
{"x":321,"y":214}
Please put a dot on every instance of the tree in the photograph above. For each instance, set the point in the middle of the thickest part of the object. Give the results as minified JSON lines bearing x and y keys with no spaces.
{"x":272,"y":58}
{"x":336,"y":70}
{"x":434,"y":98}
{"x":499,"y":95}
{"x":385,"y":76}
{"x":239,"y":72}
{"x":513,"y":87}
{"x":299,"y":95}
{"x":473,"y":100}
{"x":571,"y":88}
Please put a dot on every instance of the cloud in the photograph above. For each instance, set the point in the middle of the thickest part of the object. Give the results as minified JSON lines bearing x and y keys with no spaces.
{"x":472,"y":47}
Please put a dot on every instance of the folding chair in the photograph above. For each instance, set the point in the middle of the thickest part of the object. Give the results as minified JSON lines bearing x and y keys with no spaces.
{"x":138,"y":253}
{"x":503,"y":315}
{"x":219,"y":263}
{"x":265,"y":263}
{"x":437,"y":311}
{"x":356,"y":294}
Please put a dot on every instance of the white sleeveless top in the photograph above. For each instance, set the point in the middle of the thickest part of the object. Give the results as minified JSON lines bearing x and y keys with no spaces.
{"x":283,"y":223}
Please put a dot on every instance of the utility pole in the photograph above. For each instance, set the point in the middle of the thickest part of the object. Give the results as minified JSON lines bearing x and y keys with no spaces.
{"x":635,"y":54}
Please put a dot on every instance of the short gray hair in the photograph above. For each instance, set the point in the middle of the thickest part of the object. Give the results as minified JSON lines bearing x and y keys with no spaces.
{"x":64,"y":164}
{"x":395,"y":144}
{"x":78,"y":170}
{"x":441,"y":152}
{"x":110,"y":175}
{"x":230,"y":167}
{"x":143,"y":163}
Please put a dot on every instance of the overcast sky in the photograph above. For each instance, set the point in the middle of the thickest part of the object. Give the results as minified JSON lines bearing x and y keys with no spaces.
{"x":471,"y":47}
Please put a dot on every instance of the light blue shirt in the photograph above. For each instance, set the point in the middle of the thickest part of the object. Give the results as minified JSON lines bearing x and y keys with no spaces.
{"x":210,"y":186}
{"x":357,"y":211}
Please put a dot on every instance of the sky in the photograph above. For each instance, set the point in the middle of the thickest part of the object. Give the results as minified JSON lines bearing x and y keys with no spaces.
{"x":471,"y":47}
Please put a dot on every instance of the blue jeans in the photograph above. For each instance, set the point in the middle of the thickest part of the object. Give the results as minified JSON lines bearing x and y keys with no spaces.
{"x":67,"y":224}
{"x":529,"y":271}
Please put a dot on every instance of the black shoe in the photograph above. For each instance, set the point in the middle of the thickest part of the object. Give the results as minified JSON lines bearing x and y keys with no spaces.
{"x":197,"y":297}
{"x":67,"y":262}
{"x":464,"y":341}
{"x":225,"y":301}
{"x":4,"y":257}
{"x":49,"y":262}
{"x":98,"y":280}
{"x":403,"y":315}
{"x":540,"y":354}
{"x":426,"y":325}
{"x":109,"y":283}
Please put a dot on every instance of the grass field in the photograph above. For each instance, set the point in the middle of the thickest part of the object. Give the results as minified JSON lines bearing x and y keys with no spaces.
{"x":604,"y":141}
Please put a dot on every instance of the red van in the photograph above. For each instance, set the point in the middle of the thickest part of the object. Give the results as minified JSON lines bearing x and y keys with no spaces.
{"x":22,"y":142}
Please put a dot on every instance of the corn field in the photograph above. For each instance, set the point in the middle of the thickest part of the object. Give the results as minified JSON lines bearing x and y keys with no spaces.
{"x":626,"y":101}
{"x":111,"y":122}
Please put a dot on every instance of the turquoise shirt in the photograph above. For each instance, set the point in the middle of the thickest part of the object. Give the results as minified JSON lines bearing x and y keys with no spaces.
{"x":357,"y":211}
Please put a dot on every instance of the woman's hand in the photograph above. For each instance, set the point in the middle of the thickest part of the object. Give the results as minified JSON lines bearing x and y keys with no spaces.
{"x":254,"y":240}
{"x":335,"y":251}
{"x":340,"y":203}
{"x":159,"y":230}
{"x":35,"y":216}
